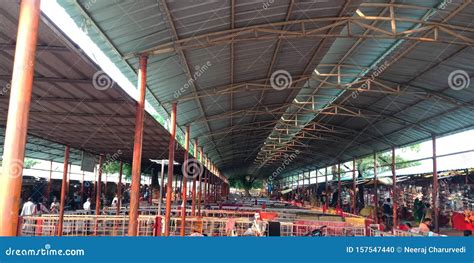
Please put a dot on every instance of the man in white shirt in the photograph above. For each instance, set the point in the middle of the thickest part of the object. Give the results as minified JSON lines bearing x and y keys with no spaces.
{"x":29,"y":208}
{"x":87,"y":205}
{"x":115,"y":201}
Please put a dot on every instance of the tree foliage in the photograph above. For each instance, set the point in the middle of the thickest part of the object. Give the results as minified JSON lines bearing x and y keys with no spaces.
{"x":384,"y":160}
{"x":245,"y":182}
{"x":29,"y":163}
{"x":113,"y":167}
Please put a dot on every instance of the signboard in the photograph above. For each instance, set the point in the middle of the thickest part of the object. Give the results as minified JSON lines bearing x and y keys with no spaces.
{"x":87,"y":162}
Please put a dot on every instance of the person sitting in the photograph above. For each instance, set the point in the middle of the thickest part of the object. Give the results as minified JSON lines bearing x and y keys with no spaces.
{"x":405,"y":227}
{"x":424,"y":226}
{"x":41,"y":207}
{"x":54,"y":208}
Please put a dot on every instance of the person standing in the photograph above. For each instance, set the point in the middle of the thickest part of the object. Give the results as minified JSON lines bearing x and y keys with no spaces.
{"x":29,"y":208}
{"x":87,"y":205}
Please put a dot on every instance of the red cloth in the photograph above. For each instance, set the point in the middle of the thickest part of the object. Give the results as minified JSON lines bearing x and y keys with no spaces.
{"x":268,"y":215}
{"x":459,"y":223}
{"x":403,"y":227}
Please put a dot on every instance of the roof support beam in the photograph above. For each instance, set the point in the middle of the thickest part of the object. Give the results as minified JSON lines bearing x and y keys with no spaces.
{"x":265,"y":32}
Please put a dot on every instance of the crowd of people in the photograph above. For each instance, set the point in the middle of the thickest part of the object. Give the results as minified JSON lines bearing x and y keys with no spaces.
{"x":77,"y":201}
{"x":421,"y":215}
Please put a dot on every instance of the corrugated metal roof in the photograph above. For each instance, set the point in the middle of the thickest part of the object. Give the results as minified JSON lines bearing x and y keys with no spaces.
{"x":69,"y":107}
{"x":234,"y":126}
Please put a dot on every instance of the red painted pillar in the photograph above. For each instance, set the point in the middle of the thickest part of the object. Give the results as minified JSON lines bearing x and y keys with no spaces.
{"x":376,"y":194}
{"x":95,"y":183}
{"x":193,"y":188}
{"x":435,"y":187}
{"x":339,"y":190}
{"x":63,"y":192}
{"x":137,"y":149}
{"x":394,"y":190}
{"x":17,"y":121}
{"x":354,"y":187}
{"x":184,"y":190}
{"x":119,"y":188}
{"x":162,"y":185}
{"x":68,"y":179}
{"x":327,"y":187}
{"x":99,"y":186}
{"x":170,"y":170}
{"x":200,"y":182}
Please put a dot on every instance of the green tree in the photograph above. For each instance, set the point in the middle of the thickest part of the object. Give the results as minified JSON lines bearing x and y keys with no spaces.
{"x":246,"y":183}
{"x":384,"y":160}
{"x":29,"y":163}
{"x":114,"y":167}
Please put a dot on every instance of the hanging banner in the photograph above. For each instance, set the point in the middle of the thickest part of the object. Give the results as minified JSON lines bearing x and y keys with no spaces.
{"x":88,"y":162}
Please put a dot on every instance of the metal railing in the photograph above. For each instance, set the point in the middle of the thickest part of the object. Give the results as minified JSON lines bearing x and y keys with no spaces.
{"x":85,"y":225}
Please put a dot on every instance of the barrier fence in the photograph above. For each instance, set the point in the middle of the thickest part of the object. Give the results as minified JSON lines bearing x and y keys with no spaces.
{"x":86,"y":225}
{"x":105,"y":225}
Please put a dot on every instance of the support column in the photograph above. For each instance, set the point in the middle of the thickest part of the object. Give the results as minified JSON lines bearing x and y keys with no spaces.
{"x":354,"y":187}
{"x":137,"y":149}
{"x":63,"y":192}
{"x":317,"y":188}
{"x":302,"y":183}
{"x":200,"y":182}
{"x":376,"y":194}
{"x":68,"y":179}
{"x":17,"y":120}
{"x":99,"y":186}
{"x":170,"y":169}
{"x":119,"y":188}
{"x":162,"y":185}
{"x":327,"y":187}
{"x":82,"y":188}
{"x":193,"y":188}
{"x":206,"y":188}
{"x":50,"y":182}
{"x":184,"y":190}
{"x":394,"y":190}
{"x":435,"y":187}
{"x":339,"y":190}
